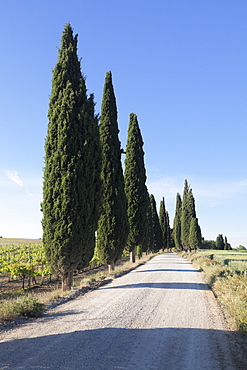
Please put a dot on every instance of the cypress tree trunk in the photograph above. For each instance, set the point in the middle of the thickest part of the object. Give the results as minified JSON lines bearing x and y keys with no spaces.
{"x":67,"y":280}
{"x":113,"y":222}
{"x":111,"y":267}
{"x":133,"y":255}
{"x":135,"y":188}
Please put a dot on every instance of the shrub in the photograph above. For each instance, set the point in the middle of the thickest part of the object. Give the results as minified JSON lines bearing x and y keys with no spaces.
{"x":20,"y":307}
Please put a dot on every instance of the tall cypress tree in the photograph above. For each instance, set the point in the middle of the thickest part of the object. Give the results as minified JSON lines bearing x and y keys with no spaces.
{"x":157,"y":234}
{"x":227,"y":246}
{"x":68,"y":189}
{"x":188,"y":212}
{"x":169,"y":240}
{"x":148,"y":246}
{"x":220,"y":242}
{"x":185,"y":216}
{"x":113,"y":222}
{"x":177,"y":223}
{"x":135,"y":188}
{"x":92,"y":170}
{"x":163,"y":224}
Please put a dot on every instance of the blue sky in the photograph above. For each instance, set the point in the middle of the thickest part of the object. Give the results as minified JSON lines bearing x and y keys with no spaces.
{"x":180,"y":65}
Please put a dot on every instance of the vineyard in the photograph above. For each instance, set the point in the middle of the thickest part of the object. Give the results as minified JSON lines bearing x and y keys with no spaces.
{"x":23,"y":262}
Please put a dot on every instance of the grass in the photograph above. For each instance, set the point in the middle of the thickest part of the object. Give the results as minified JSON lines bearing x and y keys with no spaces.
{"x":226,"y":273}
{"x":18,"y":303}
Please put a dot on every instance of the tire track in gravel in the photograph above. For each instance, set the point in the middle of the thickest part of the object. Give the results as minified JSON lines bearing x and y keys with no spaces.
{"x":159,"y":316}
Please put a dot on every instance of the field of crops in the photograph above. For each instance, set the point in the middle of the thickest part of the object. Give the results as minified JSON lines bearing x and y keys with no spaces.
{"x":234,"y":260}
{"x":22,"y":260}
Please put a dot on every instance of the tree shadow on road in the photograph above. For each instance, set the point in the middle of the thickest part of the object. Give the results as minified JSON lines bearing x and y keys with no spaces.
{"x":120,"y":348}
{"x":173,"y":285}
{"x":165,"y":270}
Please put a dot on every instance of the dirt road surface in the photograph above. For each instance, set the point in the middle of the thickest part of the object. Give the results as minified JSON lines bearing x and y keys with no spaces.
{"x":159,"y":316}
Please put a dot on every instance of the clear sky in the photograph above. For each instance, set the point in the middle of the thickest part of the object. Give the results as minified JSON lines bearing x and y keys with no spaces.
{"x":180,"y":65}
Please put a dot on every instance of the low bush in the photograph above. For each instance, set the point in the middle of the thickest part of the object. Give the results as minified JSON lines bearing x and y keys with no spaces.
{"x":20,"y":307}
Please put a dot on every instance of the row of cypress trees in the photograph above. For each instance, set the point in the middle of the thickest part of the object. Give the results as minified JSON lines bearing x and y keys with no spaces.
{"x":85,"y":192}
{"x":186,"y":229}
{"x":87,"y":199}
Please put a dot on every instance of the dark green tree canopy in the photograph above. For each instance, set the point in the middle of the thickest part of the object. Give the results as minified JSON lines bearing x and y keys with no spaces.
{"x":177,"y":223}
{"x":135,"y":186}
{"x":164,"y":224}
{"x":220,"y":242}
{"x":157,"y":234}
{"x":195,"y":234}
{"x":185,"y":216}
{"x":113,"y":222}
{"x":68,"y":190}
{"x":188,"y":212}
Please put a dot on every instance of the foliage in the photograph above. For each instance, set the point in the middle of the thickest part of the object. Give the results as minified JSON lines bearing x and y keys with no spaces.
{"x":163,"y":223}
{"x":185,"y":216}
{"x":148,"y":247}
{"x":20,"y":307}
{"x":177,"y":223}
{"x":208,"y":244}
{"x":241,"y":248}
{"x":22,"y":261}
{"x":157,"y":234}
{"x":227,"y":246}
{"x":135,"y":186}
{"x":190,"y":229}
{"x":195,"y":234}
{"x":113,"y":227}
{"x":220,"y":242}
{"x":69,"y":200}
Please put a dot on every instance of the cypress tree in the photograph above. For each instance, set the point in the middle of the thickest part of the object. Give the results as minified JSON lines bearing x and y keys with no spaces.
{"x":169,"y":240}
{"x":162,"y":220}
{"x":185,"y":216}
{"x":113,"y":222}
{"x":191,"y":204}
{"x":157,"y":234}
{"x":93,"y":159}
{"x":195,"y":238}
{"x":177,"y":223}
{"x":148,"y":246}
{"x":188,"y":212}
{"x":220,"y":242}
{"x":164,"y":224}
{"x":135,"y":188}
{"x":227,"y":246}
{"x":68,"y":190}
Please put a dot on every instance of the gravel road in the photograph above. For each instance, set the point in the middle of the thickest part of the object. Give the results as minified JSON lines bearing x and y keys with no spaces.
{"x":159,"y":316}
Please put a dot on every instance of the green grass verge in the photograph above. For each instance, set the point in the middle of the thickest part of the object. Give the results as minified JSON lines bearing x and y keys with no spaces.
{"x":226,"y":273}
